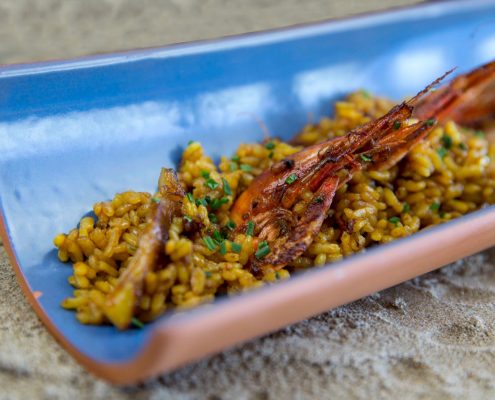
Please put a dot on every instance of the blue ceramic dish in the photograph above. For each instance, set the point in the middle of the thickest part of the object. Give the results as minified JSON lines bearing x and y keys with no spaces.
{"x":75,"y":132}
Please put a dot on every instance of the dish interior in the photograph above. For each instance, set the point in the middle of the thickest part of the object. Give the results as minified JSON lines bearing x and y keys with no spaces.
{"x":74,"y":133}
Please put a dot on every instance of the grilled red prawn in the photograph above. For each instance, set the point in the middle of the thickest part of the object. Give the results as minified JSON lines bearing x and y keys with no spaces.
{"x":324,"y":167}
{"x":119,"y":306}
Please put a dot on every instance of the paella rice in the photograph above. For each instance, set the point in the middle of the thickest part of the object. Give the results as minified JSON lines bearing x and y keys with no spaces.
{"x":448,"y":174}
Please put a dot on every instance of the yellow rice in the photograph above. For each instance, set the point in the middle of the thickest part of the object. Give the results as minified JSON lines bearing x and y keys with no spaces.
{"x":448,"y":174}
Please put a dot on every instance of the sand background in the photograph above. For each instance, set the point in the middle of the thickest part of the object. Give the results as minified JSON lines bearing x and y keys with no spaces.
{"x":432,"y":337}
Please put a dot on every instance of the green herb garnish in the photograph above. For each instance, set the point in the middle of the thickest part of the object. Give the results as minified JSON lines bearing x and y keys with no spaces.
{"x":250,"y":228}
{"x":231,"y":225}
{"x":236,"y":247}
{"x":430,"y":122}
{"x":270,"y":155}
{"x":208,"y":274}
{"x":190,"y":142}
{"x":319,"y":199}
{"x":364,"y":157}
{"x":291,"y":179}
{"x":137,"y":323}
{"x":218,"y":236}
{"x":479,"y":134}
{"x":394,"y":220}
{"x":190,"y":197}
{"x":213,"y":218}
{"x":277,"y":275}
{"x":462,"y":146}
{"x":245,"y":167}
{"x":406,"y":208}
{"x":236,"y":158}
{"x":201,"y":202}
{"x":442,"y":152}
{"x":209,"y":242}
{"x":365,"y":93}
{"x":211,"y":183}
{"x":155,"y":199}
{"x":435,"y":206}
{"x":262,"y":251}
{"x":397,"y":125}
{"x":188,"y":218}
{"x":223,"y":248}
{"x":217,"y":203}
{"x":270,"y":146}
{"x":205,"y":174}
{"x":447,"y":141}
{"x":232,"y":167}
{"x":226,"y":187}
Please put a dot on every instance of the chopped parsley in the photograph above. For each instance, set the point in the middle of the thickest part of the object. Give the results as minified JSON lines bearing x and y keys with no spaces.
{"x":250,"y":228}
{"x":188,"y":218}
{"x":137,"y":323}
{"x":364,"y":157}
{"x":435,"y":206}
{"x":430,"y":122}
{"x":277,"y":275}
{"x":270,"y":146}
{"x":205,"y":174}
{"x":231,"y":225}
{"x":291,"y":179}
{"x":245,"y":167}
{"x":190,"y":142}
{"x":210,"y":243}
{"x":208,"y":274}
{"x":236,"y":158}
{"x":270,"y":155}
{"x":397,"y":125}
{"x":155,"y":199}
{"x":462,"y":146}
{"x":394,"y":220}
{"x":319,"y":199}
{"x":236,"y":247}
{"x":226,"y":187}
{"x":190,"y":197}
{"x":406,"y":208}
{"x":447,"y":141}
{"x":213,"y":218}
{"x":479,"y":134}
{"x":233,"y":167}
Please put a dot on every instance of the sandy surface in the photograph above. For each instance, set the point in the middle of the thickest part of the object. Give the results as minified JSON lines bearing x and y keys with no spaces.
{"x":433,"y":337}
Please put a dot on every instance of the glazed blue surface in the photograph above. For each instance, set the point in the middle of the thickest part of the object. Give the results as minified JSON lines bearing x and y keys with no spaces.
{"x":73,"y":133}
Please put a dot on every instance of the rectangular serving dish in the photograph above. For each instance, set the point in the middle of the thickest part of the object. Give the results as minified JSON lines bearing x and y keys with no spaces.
{"x":75,"y":132}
